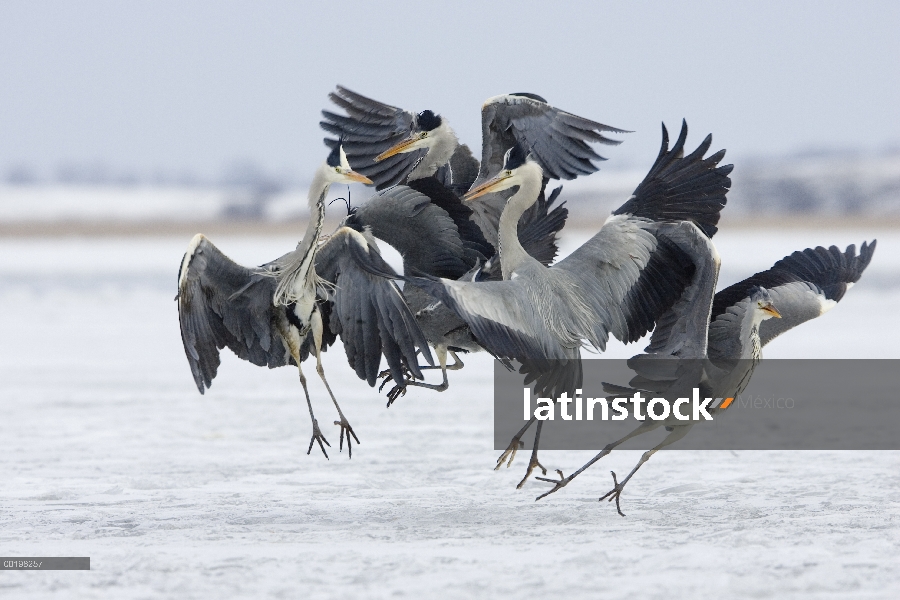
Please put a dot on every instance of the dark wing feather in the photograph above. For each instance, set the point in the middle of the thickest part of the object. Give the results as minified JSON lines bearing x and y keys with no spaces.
{"x":459,"y":211}
{"x":422,"y":232}
{"x":802,"y":285}
{"x":682,"y":188}
{"x":222,"y":304}
{"x":678,"y":192}
{"x":369,"y":312}
{"x":558,"y":140}
{"x":368,"y":129}
{"x":461,"y":172}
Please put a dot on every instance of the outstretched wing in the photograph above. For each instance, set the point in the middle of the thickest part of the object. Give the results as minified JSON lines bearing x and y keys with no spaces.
{"x":557,"y":139}
{"x":221,"y":303}
{"x":682,"y":188}
{"x":368,"y":310}
{"x":635,"y":269}
{"x":803,"y":286}
{"x":368,"y":129}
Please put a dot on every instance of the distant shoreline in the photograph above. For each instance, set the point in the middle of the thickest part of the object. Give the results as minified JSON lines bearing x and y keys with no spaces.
{"x":297,"y":226}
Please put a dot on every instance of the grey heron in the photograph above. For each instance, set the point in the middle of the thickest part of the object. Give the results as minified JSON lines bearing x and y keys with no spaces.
{"x":392,"y":145}
{"x":430,"y":241}
{"x":727,"y":345}
{"x":296,"y":305}
{"x":621,"y":282}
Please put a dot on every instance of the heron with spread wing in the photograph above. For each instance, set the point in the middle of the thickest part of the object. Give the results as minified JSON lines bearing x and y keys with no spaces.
{"x":721,"y":353}
{"x":296,"y":305}
{"x":391,"y":145}
{"x":621,"y":282}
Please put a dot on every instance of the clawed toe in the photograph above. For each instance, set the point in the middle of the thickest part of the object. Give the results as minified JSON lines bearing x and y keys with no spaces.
{"x":318,"y":437}
{"x":346,"y":428}
{"x":615,"y":493}
{"x":509,"y":453}
{"x":396,"y":392}
{"x":558,"y":484}
{"x":532,"y":465}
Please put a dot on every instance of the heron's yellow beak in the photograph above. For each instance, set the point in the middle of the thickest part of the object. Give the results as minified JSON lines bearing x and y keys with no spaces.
{"x":358,"y":177}
{"x":487,"y":187}
{"x":397,"y":148}
{"x":772,"y":311}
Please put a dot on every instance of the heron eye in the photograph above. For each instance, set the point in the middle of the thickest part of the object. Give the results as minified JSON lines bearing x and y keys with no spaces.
{"x":423,"y":135}
{"x":337,"y":169}
{"x":509,"y":173}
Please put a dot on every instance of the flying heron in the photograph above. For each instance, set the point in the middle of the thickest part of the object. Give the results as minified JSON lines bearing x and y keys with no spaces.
{"x":285,"y":310}
{"x":430,"y":243}
{"x":391,"y":145}
{"x":620,"y":282}
{"x":727,"y":345}
{"x":421,"y":150}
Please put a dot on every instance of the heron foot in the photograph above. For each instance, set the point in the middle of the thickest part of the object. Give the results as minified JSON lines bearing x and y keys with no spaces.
{"x":509,"y":453}
{"x":397,"y":390}
{"x":532,"y":465}
{"x":345,"y":427}
{"x":557,"y":484}
{"x":615,"y":493}
{"x":318,"y":437}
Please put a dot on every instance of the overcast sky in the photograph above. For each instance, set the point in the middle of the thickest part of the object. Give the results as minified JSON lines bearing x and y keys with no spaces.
{"x":197,"y":86}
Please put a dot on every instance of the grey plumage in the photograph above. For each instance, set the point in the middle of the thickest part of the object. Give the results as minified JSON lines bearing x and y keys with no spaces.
{"x":376,"y":135}
{"x":223,"y":304}
{"x":435,"y":237}
{"x":804,"y":286}
{"x":294,"y":306}
{"x":558,"y":140}
{"x":627,"y":275}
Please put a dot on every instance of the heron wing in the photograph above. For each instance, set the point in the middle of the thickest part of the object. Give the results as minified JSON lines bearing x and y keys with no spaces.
{"x":461,"y":172}
{"x":500,"y":314}
{"x":635,"y":269}
{"x":368,"y":129}
{"x":682,"y":188}
{"x":222,"y":304}
{"x":368,"y":310}
{"x":557,"y":139}
{"x":422,"y":232}
{"x":803,"y":286}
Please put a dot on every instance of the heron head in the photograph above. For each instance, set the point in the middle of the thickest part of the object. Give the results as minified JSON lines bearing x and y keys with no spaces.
{"x":427,"y":128}
{"x":337,"y":168}
{"x":762,"y":301}
{"x":517,"y":167}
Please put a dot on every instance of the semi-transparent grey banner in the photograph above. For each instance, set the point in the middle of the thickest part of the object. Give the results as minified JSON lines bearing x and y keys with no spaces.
{"x":725,"y":405}
{"x":45,"y":563}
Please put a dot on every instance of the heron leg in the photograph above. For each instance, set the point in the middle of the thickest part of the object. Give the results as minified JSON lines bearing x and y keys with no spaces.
{"x":400,"y":389}
{"x":316,"y":324}
{"x":614,"y":494}
{"x":562,"y":482}
{"x":533,"y":462}
{"x":514,"y":444}
{"x":317,"y":433}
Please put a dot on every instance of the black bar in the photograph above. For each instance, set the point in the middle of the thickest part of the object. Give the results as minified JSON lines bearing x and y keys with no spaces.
{"x":45,"y":563}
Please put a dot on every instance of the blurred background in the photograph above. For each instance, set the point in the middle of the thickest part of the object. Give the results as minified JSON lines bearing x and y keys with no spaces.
{"x":170,"y":116}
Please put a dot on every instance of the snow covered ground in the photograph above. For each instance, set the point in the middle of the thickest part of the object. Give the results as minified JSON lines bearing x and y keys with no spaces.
{"x":108,"y":451}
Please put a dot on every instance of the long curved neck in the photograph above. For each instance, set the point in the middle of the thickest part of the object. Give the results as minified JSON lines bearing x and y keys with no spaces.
{"x":443,"y":146}
{"x":316,"y":200}
{"x":512,"y":254}
{"x":297,"y":277}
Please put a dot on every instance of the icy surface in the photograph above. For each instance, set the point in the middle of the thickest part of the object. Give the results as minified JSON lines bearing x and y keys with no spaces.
{"x":110,"y":452}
